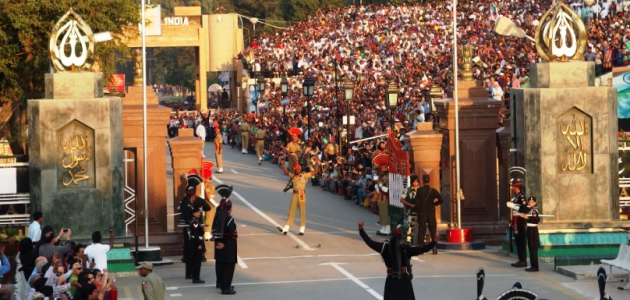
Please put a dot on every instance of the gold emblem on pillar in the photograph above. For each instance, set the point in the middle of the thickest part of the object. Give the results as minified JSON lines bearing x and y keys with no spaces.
{"x":560,"y":35}
{"x":465,"y":53}
{"x":136,"y":57}
{"x":71,"y":44}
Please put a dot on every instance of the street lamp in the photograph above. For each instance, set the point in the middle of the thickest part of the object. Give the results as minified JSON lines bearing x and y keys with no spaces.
{"x":307,"y":88}
{"x":243,"y":91}
{"x":392,"y":100}
{"x":284,"y":90}
{"x":260,"y":87}
{"x":348,"y":94}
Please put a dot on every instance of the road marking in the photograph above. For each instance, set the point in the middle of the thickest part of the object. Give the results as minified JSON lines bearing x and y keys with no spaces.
{"x":171,"y":288}
{"x":176,"y":295}
{"x":354,"y":279}
{"x":335,"y":279}
{"x":241,"y":262}
{"x":302,"y":244}
{"x":233,"y":171}
{"x":310,"y":256}
{"x":417,"y":259}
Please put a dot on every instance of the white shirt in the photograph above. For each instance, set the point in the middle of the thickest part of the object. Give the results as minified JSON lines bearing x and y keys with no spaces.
{"x":98,"y":252}
{"x":201,"y":131}
{"x":35,"y":231}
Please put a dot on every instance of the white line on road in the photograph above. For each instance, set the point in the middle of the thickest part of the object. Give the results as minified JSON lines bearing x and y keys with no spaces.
{"x":176,"y":295}
{"x":269,"y":219}
{"x":354,"y":279}
{"x":331,"y":279}
{"x":171,"y":288}
{"x":241,"y":262}
{"x":233,"y":171}
{"x":309,"y":256}
{"x":417,"y":259}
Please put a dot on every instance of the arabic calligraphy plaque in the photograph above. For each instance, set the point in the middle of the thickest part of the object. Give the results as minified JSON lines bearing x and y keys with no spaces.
{"x":76,"y":163}
{"x":575,"y":142}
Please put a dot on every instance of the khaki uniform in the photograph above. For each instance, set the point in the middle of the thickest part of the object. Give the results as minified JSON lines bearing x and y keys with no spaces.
{"x":245,"y":135}
{"x":383,"y":200}
{"x":299,"y":198}
{"x":218,"y":151}
{"x":208,"y":217}
{"x":292,"y":152}
{"x":260,"y":143}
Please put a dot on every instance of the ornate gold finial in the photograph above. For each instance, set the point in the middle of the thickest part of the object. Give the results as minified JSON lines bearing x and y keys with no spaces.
{"x":466,"y":52}
{"x":71,"y":44}
{"x":560,"y":35}
{"x":136,"y":57}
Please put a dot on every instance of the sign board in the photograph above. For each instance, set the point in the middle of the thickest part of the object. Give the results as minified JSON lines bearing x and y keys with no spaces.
{"x":8,"y":177}
{"x":117,"y":83}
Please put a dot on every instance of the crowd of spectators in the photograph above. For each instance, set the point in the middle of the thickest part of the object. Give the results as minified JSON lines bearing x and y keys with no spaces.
{"x":52,"y":269}
{"x":373,"y":45}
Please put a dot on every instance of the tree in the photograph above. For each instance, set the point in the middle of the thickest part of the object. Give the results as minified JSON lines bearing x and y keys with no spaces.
{"x":25,"y":27}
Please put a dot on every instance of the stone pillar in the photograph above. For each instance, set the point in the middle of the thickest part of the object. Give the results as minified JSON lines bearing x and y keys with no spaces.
{"x":566,"y":131}
{"x":186,"y":155}
{"x":504,"y":141}
{"x":426,"y":145}
{"x":478,"y":117}
{"x":76,"y":155}
{"x":157,"y":120}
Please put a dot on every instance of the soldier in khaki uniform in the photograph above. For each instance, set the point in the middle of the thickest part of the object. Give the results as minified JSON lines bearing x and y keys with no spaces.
{"x":293,"y":150}
{"x":260,"y":143}
{"x":245,"y":136}
{"x":298,"y":200}
{"x":218,"y":150}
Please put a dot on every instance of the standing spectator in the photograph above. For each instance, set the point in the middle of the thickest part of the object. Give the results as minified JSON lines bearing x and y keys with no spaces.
{"x":48,"y":248}
{"x":427,"y":198}
{"x":97,"y":252}
{"x":201,"y":134}
{"x":35,"y":228}
{"x":152,"y":286}
{"x":5,"y":267}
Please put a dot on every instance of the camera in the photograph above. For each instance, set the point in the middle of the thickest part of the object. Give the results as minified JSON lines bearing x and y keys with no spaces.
{"x":111,"y":229}
{"x":65,"y":230}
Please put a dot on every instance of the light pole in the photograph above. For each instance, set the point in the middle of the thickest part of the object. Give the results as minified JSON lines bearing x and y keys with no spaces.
{"x":348,"y":94}
{"x":244,"y":95}
{"x":260,"y":87}
{"x":307,"y":88}
{"x":284,"y":90}
{"x":392,"y":100}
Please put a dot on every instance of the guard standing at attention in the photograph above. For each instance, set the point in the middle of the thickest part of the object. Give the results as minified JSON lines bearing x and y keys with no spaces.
{"x":427,"y":198}
{"x":260,"y":143}
{"x":298,"y":199}
{"x":533,"y":237}
{"x":218,"y":149}
{"x":245,"y":136}
{"x":225,"y":246}
{"x":397,"y":255}
{"x":519,"y":206}
{"x":196,"y":246}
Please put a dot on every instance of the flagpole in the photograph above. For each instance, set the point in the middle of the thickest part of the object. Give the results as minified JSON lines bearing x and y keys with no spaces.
{"x":144,"y":128}
{"x":456,"y":97}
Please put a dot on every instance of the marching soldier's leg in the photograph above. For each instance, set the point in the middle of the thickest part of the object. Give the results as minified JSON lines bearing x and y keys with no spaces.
{"x":302,"y":206}
{"x":433,"y":229}
{"x":422,"y":229}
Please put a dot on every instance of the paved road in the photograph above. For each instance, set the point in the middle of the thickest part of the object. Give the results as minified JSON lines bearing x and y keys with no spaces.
{"x":331,"y":261}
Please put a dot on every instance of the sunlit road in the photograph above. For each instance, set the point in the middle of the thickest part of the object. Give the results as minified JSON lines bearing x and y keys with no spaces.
{"x":331,"y":261}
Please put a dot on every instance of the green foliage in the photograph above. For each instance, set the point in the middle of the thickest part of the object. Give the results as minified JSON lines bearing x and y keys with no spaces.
{"x":25,"y":27}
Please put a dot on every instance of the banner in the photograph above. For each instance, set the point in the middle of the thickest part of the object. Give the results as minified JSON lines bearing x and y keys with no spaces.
{"x":116,"y":83}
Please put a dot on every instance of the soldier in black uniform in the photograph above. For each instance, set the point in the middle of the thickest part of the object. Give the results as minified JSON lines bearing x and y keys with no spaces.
{"x":224,"y":235}
{"x":397,"y":257}
{"x":196,"y":246}
{"x":533,"y":238}
{"x":519,"y":206}
{"x":186,"y":205}
{"x":427,"y":198}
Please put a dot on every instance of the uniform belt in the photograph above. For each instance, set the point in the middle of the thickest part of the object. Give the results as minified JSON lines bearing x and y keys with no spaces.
{"x":260,"y":139}
{"x":296,"y":191}
{"x":532,"y":225}
{"x":402,"y":269}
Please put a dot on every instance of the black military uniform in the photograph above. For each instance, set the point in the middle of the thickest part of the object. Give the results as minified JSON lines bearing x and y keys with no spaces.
{"x":225,"y":235}
{"x":187,"y":204}
{"x":196,"y":248}
{"x":533,"y":238}
{"x":519,"y":206}
{"x":425,"y":208}
{"x":396,"y":257}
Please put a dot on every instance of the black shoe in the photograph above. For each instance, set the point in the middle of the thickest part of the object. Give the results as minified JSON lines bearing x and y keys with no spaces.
{"x":301,"y":233}
{"x":531,"y":269}
{"x":188,"y":276}
{"x":281,"y":231}
{"x":198,"y":281}
{"x":228,"y":292}
{"x":519,"y":264}
{"x":434,"y":250}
